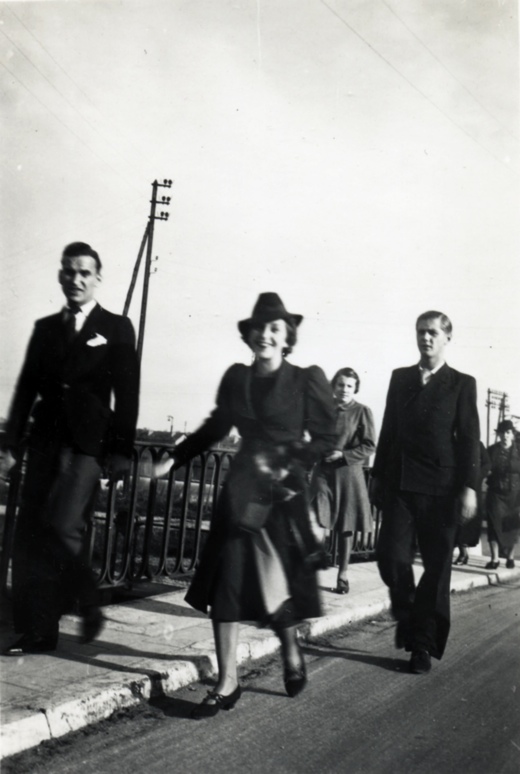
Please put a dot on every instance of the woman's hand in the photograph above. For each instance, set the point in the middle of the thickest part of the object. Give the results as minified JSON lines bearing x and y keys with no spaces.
{"x":163,"y":467}
{"x":334,"y":456}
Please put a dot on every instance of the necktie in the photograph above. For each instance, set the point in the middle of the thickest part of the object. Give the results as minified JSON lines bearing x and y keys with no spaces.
{"x":70,"y":324}
{"x":425,"y":376}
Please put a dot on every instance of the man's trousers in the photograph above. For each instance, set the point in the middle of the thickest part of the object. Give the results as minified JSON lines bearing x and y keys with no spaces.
{"x":411,"y":520}
{"x":50,"y":564}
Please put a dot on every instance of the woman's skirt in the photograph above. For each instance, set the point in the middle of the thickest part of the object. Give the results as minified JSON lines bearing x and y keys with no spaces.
{"x":503,"y":518}
{"x":351,"y":507}
{"x":256,"y":576}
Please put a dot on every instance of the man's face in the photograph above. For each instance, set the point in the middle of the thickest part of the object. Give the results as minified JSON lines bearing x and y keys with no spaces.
{"x":431,"y":339}
{"x":79,"y":279}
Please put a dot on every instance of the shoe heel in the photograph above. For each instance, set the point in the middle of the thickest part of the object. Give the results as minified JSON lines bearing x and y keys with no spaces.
{"x":234,"y":697}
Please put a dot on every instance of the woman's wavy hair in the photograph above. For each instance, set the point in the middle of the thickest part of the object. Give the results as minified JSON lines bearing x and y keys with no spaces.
{"x":292,"y":337}
{"x":349,"y":373}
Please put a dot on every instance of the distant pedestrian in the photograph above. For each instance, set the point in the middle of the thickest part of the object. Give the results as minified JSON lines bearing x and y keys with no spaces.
{"x":343,"y":469}
{"x":425,"y":477}
{"x":503,"y":496}
{"x":77,"y":362}
{"x":468,"y":533}
{"x":260,"y":559}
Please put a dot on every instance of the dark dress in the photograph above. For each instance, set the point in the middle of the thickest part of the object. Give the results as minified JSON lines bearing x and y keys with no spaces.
{"x":356,"y":438}
{"x":244,"y":575}
{"x":503,"y":496}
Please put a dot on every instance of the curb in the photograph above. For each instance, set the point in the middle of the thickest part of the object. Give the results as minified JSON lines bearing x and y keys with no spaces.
{"x":54,"y":721}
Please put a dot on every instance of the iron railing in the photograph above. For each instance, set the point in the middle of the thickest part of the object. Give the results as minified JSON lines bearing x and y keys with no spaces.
{"x":153,"y":529}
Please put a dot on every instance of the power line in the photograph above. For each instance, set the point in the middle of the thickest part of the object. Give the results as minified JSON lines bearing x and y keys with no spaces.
{"x":58,"y":119}
{"x":434,"y":56}
{"x":416,"y":88}
{"x":63,"y":96}
{"x":48,"y":53}
{"x":76,"y":86}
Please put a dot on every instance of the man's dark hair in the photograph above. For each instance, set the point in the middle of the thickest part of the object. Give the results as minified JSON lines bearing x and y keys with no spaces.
{"x":444,"y":320}
{"x":81,"y":248}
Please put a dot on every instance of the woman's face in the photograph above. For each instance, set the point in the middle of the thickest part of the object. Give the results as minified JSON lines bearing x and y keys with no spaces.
{"x":269,"y":340}
{"x":345,"y":388}
{"x":507,"y":438}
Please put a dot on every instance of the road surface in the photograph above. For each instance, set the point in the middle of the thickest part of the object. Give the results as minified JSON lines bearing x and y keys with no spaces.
{"x":362,"y":712}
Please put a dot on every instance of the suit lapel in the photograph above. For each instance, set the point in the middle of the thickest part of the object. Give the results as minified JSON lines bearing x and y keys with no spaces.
{"x":89,"y":328}
{"x":86,"y":332}
{"x":412,"y":386}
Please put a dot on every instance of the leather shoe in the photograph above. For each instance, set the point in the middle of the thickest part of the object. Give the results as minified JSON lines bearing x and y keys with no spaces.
{"x":420,"y":662}
{"x":342,"y":586}
{"x":91,"y":624}
{"x":510,"y":563}
{"x":295,"y":678}
{"x":31,"y":643}
{"x":491,"y":565}
{"x":214,"y":702}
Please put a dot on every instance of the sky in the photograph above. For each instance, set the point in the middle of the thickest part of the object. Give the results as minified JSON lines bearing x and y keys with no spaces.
{"x":359,"y":158}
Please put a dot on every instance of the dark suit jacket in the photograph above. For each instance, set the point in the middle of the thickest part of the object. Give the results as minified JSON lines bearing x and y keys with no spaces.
{"x":429,"y":441}
{"x":68,"y":389}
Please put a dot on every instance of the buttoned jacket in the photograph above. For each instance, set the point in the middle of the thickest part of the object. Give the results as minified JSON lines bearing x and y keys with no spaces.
{"x":68,"y":389}
{"x":429,"y":440}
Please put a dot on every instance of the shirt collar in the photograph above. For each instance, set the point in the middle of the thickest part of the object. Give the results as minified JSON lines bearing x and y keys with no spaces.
{"x":432,"y":370}
{"x":84,"y":310}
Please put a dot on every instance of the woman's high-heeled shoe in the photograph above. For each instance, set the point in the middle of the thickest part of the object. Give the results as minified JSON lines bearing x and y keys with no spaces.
{"x":214,"y":702}
{"x":342,"y":586}
{"x":295,"y":678}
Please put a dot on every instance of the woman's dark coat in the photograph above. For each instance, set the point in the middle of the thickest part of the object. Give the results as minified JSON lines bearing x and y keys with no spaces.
{"x":299,"y":401}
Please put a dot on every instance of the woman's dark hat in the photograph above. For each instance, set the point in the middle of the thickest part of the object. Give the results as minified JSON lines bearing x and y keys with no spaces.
{"x":505,"y":425}
{"x":269,"y":307}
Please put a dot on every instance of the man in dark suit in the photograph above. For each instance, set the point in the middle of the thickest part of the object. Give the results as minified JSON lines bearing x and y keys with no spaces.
{"x":78,"y":361}
{"x":425,"y":477}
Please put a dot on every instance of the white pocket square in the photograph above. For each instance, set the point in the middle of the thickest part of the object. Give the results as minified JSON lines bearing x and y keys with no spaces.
{"x":96,"y":341}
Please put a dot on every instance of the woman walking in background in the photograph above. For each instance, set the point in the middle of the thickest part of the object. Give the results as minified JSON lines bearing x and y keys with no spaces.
{"x":344,"y":468}
{"x":260,"y":560}
{"x":503,"y":496}
{"x":468,"y":534}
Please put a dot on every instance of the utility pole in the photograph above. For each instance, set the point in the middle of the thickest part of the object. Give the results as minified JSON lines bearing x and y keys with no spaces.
{"x":147,"y":242}
{"x":499,"y":400}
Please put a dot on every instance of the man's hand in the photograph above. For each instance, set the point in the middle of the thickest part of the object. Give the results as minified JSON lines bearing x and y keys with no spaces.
{"x":467,"y":504}
{"x":117,"y":466}
{"x":7,"y":463}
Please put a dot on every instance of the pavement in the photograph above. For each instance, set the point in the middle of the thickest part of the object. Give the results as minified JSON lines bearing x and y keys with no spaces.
{"x":156,"y":644}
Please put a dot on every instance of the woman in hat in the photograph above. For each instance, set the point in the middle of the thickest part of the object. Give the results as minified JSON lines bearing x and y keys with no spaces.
{"x":503,"y":496}
{"x":260,"y":559}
